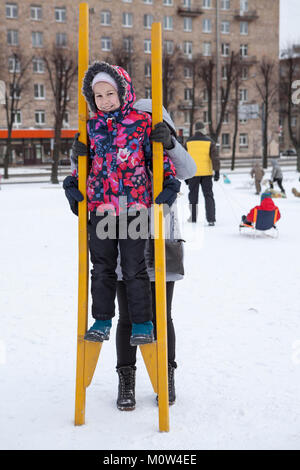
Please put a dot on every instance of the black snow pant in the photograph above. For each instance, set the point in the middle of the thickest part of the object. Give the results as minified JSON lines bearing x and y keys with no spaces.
{"x":104,"y":255}
{"x":279,"y":182}
{"x":206,"y":186}
{"x":126,"y":354}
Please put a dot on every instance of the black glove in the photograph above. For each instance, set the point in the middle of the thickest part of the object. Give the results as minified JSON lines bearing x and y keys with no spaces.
{"x":217,"y":175}
{"x":70,"y":185}
{"x":169,"y":193}
{"x":78,"y":148}
{"x":161,"y":133}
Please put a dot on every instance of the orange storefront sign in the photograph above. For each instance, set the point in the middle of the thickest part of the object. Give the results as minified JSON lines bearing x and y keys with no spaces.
{"x":37,"y":133}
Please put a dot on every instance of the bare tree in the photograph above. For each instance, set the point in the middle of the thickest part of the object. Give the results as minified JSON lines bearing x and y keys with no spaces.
{"x":206,"y":73}
{"x":123,"y":55}
{"x":15,"y":77}
{"x":267,"y":87}
{"x":289,"y":96}
{"x":237,"y":78}
{"x":61,"y":66}
{"x":171,"y":73}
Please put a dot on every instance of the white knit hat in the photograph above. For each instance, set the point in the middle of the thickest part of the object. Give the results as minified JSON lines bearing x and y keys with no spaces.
{"x":104,"y":77}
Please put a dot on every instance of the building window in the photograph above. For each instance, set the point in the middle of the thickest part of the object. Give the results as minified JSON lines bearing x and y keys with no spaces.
{"x":226,"y":118}
{"x":127,"y":20}
{"x":36,"y":12}
{"x":225,"y":27}
{"x":105,"y":18}
{"x":60,"y":14}
{"x":243,"y":140}
{"x":207,"y":49}
{"x":39,"y":91}
{"x":38,"y":65}
{"x":206,"y":4}
{"x":168,"y":3}
{"x":39,"y":117}
{"x":127,"y":1}
{"x":205,"y":95}
{"x":226,"y":140}
{"x":128,"y":44}
{"x":169,"y":47}
{"x":225,"y":4}
{"x":148,"y":2}
{"x":206,"y":25}
{"x":147,"y":46}
{"x":188,"y":48}
{"x":244,"y":73}
{"x":244,"y":27}
{"x":244,"y":50}
{"x":37,"y":39}
{"x":66,"y":120}
{"x":205,"y":117}
{"x":148,"y":20}
{"x":105,"y":44}
{"x":14,"y":92}
{"x":61,"y":39}
{"x":187,"y":117}
{"x":187,"y":24}
{"x":188,"y":94}
{"x":14,"y":65}
{"x":187,"y":3}
{"x":148,"y":93}
{"x":147,"y":70}
{"x":224,"y":72}
{"x":12,"y":37}
{"x":187,"y":72}
{"x":243,"y":5}
{"x":168,"y":23}
{"x":243,"y":94}
{"x":17,"y":118}
{"x":294,"y":121}
{"x":225,"y":49}
{"x":11,"y":10}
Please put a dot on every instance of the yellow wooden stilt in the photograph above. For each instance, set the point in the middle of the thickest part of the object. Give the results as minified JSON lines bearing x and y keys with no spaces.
{"x":87,"y":353}
{"x":159,"y":242}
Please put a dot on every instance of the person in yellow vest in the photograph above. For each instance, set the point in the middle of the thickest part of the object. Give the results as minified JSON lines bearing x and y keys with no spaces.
{"x":203,"y":150}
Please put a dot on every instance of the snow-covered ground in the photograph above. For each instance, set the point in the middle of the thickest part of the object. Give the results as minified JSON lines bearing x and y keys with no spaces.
{"x":237,"y":322}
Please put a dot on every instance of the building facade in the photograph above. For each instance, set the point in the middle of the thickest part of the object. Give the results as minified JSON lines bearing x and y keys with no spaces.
{"x":121,"y":29}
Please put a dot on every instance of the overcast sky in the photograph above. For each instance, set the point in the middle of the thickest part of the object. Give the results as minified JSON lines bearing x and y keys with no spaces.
{"x":289,"y":22}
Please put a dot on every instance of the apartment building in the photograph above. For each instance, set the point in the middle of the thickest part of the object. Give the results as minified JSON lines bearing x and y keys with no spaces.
{"x":210,"y":29}
{"x":290,"y":99}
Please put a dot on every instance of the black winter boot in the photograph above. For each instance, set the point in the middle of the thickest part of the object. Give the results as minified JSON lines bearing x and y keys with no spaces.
{"x":126,"y":391}
{"x":171,"y":384}
{"x":171,"y":381}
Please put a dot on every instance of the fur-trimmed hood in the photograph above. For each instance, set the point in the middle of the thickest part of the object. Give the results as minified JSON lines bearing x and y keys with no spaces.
{"x":125,"y":89}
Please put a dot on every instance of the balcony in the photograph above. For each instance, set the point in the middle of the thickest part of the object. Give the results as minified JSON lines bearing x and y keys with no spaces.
{"x":185,"y":105}
{"x":193,"y":11}
{"x":249,"y":60}
{"x":242,"y":15}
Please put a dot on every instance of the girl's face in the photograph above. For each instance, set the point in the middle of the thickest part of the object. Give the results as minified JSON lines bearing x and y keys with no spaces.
{"x":106,"y":97}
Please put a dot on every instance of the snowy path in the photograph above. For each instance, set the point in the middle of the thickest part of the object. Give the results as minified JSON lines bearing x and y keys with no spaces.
{"x":237,"y":322}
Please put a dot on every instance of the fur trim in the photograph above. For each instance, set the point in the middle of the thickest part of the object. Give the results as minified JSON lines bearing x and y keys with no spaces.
{"x":92,"y":71}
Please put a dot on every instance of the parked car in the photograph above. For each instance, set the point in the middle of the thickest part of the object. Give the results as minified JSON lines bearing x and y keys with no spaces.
{"x":64,"y":162}
{"x":288,"y":153}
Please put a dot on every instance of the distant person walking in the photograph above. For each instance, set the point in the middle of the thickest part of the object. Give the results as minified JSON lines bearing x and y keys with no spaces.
{"x":203,"y":150}
{"x":276,"y":175}
{"x":257,"y":173}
